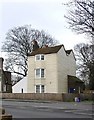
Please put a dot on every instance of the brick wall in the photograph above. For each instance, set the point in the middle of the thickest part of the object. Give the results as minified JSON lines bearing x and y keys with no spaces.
{"x":33,"y":96}
{"x":46,"y":96}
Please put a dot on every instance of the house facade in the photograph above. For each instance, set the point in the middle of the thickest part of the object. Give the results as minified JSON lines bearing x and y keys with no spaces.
{"x":5,"y":79}
{"x":49,"y":68}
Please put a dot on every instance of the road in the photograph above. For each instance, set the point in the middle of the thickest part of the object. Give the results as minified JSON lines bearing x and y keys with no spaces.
{"x":33,"y":109}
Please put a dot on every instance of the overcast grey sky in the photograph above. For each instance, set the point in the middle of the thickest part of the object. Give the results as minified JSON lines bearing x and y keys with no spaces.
{"x":47,"y":15}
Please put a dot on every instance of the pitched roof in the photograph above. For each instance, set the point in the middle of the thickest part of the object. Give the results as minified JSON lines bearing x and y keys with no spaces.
{"x":46,"y":50}
{"x":74,"y":78}
{"x":68,"y":51}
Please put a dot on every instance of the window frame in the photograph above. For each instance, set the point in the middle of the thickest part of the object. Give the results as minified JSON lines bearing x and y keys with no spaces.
{"x":40,"y":57}
{"x":40,"y":89}
{"x":37,"y":89}
{"x":41,"y":75}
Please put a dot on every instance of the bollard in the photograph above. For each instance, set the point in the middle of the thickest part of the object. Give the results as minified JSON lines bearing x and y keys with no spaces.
{"x":77,"y":99}
{"x":2,"y":111}
{"x":4,"y":116}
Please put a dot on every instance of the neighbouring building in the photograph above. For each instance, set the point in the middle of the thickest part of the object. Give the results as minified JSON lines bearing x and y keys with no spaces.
{"x":5,"y":79}
{"x":52,"y":70}
{"x":21,"y":86}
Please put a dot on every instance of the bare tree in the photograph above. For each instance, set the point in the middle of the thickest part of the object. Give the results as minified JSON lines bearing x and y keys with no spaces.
{"x":80,"y":19}
{"x":80,"y":16}
{"x":18,"y":46}
{"x":85,"y":61}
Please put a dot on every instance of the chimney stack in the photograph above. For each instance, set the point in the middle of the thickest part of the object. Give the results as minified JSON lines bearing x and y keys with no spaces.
{"x":1,"y":62}
{"x":35,"y":45}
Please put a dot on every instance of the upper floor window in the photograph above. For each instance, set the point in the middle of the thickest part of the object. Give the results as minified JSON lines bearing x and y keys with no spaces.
{"x":39,"y":57}
{"x":39,"y":73}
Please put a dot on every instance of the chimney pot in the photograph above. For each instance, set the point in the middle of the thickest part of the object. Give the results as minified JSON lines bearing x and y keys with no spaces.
{"x":35,"y":45}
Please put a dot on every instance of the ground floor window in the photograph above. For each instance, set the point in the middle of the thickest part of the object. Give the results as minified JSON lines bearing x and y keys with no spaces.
{"x":4,"y":88}
{"x":39,"y":89}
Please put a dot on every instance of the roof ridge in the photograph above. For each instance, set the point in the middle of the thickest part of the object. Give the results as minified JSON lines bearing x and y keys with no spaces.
{"x":46,"y":50}
{"x":53,"y":46}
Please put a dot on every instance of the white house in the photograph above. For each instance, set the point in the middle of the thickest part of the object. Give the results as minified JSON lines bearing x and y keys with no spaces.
{"x":50,"y":70}
{"x":21,"y":86}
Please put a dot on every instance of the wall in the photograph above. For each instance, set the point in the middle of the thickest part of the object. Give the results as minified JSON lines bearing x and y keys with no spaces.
{"x":33,"y":96}
{"x":71,"y":64}
{"x":50,"y":80}
{"x":62,"y":71}
{"x":47,"y":96}
{"x":51,"y":73}
{"x":66,"y":66}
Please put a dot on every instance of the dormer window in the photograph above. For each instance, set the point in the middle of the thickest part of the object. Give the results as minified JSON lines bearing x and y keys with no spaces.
{"x":39,"y":57}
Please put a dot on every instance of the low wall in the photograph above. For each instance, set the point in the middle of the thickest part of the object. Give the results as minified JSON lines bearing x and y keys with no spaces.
{"x":33,"y":96}
{"x":47,"y":96}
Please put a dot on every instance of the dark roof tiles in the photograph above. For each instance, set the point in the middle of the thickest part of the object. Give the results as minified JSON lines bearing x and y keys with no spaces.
{"x":46,"y":50}
{"x":49,"y":50}
{"x":74,"y":78}
{"x":68,"y":51}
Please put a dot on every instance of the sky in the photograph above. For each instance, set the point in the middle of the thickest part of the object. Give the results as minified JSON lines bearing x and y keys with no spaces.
{"x":47,"y":15}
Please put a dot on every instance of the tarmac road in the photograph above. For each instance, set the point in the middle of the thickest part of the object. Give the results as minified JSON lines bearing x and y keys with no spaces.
{"x":47,"y":109}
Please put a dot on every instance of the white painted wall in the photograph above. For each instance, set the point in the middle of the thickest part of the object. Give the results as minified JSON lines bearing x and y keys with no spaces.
{"x":17,"y":88}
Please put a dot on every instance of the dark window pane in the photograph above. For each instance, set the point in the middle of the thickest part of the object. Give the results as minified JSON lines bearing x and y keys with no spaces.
{"x":42,"y":72}
{"x":42,"y":88}
{"x":42,"y":57}
{"x":37,"y":88}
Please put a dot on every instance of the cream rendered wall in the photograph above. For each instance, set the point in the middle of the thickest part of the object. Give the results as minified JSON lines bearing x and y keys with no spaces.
{"x":62,"y":71}
{"x":71,"y":64}
{"x":66,"y":66}
{"x":30,"y":75}
{"x":51,"y":73}
{"x":50,"y":80}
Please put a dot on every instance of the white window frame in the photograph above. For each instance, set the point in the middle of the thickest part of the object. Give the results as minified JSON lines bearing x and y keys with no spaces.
{"x":40,"y":89}
{"x":40,"y":73}
{"x":36,"y":88}
{"x":40,"y":57}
